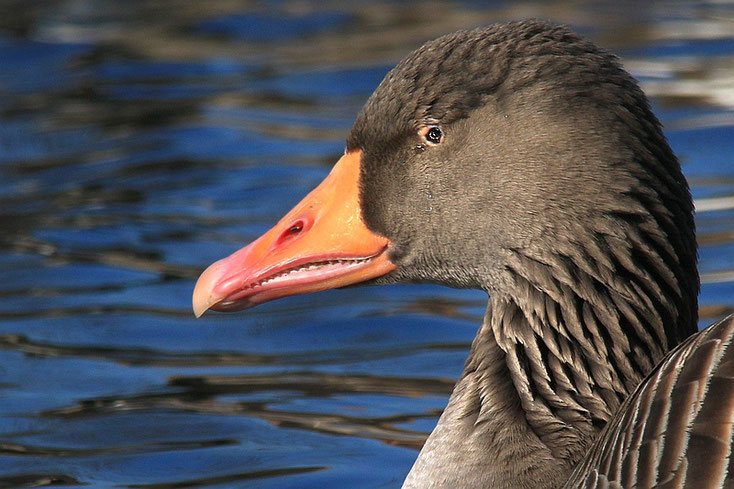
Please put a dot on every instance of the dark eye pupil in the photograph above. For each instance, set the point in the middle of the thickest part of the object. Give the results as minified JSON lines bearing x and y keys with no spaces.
{"x":434,"y":135}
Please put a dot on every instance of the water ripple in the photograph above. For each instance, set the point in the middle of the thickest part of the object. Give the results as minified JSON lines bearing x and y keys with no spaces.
{"x":141,"y":141}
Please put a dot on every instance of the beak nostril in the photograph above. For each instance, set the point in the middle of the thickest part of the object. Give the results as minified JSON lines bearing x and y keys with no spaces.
{"x":293,"y":231}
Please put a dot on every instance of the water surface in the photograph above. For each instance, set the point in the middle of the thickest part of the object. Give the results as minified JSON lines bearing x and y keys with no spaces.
{"x":140,"y":141}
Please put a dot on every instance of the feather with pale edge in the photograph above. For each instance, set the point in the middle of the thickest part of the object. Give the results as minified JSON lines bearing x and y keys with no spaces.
{"x":675,"y":430}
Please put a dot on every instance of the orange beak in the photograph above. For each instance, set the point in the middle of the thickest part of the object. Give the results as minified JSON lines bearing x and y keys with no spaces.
{"x":322,"y":243}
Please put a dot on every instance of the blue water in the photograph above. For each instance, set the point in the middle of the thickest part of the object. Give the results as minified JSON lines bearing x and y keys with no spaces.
{"x":140,"y":141}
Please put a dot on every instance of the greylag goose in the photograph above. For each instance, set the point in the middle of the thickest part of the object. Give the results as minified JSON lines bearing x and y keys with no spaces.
{"x":522,"y":160}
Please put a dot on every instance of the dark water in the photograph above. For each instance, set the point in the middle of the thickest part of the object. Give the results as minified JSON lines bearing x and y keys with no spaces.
{"x":140,"y":141}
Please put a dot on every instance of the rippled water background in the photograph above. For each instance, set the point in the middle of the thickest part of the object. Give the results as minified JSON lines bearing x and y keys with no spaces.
{"x":142,"y":140}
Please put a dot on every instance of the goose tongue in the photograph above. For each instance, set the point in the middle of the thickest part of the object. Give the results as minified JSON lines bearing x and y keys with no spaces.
{"x":322,"y":243}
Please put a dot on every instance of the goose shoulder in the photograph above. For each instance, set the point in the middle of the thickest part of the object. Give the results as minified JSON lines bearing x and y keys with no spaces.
{"x":675,"y":430}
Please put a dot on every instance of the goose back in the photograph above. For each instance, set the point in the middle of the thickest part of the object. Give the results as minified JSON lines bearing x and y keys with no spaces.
{"x":675,"y":430}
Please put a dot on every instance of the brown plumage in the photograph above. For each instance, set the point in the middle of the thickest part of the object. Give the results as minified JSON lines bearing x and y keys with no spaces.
{"x":675,"y":430}
{"x":553,"y":188}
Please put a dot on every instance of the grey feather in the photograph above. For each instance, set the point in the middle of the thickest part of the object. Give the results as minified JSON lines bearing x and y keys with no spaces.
{"x":556,"y":192}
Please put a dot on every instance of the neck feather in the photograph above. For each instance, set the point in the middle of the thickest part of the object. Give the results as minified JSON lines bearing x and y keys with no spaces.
{"x":550,"y":366}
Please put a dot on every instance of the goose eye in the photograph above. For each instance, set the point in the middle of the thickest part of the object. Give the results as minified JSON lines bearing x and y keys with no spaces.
{"x":433,"y":135}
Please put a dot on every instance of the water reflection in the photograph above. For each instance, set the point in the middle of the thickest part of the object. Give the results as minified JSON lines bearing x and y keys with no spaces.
{"x":37,"y":480}
{"x":156,"y":357}
{"x":231,"y":478}
{"x":139,"y":141}
{"x":203,"y":395}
